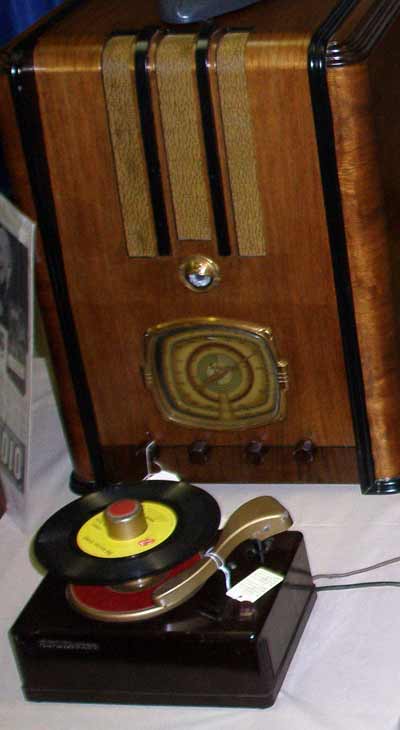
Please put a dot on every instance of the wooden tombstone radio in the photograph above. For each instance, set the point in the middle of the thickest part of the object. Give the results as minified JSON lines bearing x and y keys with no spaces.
{"x":218,"y":262}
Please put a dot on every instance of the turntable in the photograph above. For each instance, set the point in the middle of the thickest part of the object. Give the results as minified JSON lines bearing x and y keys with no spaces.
{"x":148,"y":601}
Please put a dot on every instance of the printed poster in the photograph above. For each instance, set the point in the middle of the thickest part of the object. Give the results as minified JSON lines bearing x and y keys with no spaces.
{"x":17,"y":238}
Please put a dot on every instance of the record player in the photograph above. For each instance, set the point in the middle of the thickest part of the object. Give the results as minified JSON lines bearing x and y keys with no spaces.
{"x":148,"y":601}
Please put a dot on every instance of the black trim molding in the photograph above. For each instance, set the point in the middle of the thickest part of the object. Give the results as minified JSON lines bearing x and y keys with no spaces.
{"x":210,"y":140}
{"x":149,"y":139}
{"x":26,"y":104}
{"x":357,"y":45}
{"x":334,"y":216}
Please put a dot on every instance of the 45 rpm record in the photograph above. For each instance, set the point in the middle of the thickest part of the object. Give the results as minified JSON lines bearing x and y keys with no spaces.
{"x":193,"y":527}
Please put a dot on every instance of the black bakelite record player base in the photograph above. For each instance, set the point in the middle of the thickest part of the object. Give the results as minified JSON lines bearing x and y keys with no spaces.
{"x":211,"y":651}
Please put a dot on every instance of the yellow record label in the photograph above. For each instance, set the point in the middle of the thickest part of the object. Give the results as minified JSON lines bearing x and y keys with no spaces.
{"x":93,"y":537}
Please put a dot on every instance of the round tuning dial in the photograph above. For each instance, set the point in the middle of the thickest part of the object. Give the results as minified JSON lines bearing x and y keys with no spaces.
{"x":216,"y":373}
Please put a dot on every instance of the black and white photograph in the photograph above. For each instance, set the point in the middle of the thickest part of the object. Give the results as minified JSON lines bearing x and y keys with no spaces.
{"x":14,"y":304}
{"x":17,"y":235}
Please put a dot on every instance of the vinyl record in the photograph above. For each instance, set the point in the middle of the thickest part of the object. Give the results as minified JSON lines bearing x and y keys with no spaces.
{"x":196,"y":518}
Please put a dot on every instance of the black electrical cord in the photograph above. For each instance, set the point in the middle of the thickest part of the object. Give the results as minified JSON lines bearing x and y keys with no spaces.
{"x":349,"y":586}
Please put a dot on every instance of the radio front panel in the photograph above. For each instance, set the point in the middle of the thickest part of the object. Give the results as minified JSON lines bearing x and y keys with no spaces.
{"x":193,"y":191}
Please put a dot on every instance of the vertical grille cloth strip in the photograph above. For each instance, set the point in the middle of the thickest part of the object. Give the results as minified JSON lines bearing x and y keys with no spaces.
{"x":179,"y":105}
{"x":239,"y":143}
{"x":124,"y":121}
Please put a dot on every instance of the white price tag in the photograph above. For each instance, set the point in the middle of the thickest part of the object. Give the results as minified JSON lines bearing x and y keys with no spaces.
{"x":255,"y":585}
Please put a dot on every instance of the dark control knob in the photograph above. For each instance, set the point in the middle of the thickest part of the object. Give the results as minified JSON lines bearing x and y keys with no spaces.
{"x":199,"y":452}
{"x":304,"y":451}
{"x":255,"y":452}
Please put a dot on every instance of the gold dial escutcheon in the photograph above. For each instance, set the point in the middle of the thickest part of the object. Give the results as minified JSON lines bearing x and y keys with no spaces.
{"x":215,"y":373}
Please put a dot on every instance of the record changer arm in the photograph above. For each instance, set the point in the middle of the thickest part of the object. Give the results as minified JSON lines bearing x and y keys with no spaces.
{"x":258,"y":519}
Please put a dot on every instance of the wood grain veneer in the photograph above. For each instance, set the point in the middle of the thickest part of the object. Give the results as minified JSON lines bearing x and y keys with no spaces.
{"x":279,"y":271}
{"x":372,"y":243}
{"x":116,"y":300}
{"x":22,"y":196}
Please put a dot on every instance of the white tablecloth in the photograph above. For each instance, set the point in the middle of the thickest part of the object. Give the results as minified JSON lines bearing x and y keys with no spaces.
{"x":346,"y":671}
